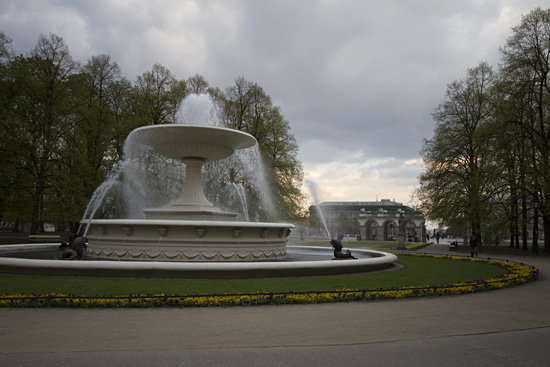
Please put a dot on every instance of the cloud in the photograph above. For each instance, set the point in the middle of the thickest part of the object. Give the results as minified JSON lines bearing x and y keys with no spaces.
{"x":356,"y":79}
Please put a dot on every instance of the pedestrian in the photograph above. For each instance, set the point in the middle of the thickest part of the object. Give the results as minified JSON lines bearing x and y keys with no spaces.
{"x":473,"y":244}
{"x":437,"y":237}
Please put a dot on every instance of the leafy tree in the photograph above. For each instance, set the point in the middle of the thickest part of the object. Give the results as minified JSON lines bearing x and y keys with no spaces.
{"x":197,"y":84}
{"x":89,"y":154}
{"x":13,"y":204}
{"x":6,"y":48}
{"x":63,"y":127}
{"x":457,"y":183}
{"x":125,"y":113}
{"x":526,"y":65}
{"x":245,"y":106}
{"x":40,"y":112}
{"x":349,"y":223}
{"x":511,"y":115}
{"x":158,"y":96}
{"x":281,"y":149}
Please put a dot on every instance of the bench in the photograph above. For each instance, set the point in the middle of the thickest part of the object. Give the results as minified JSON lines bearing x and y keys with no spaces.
{"x":44,"y":238}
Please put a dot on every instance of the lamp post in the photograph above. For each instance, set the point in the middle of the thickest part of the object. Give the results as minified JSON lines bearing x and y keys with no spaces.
{"x":536,"y":225}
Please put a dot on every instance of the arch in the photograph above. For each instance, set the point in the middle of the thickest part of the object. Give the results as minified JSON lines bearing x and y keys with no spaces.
{"x":410,"y":231}
{"x":390,"y":230}
{"x":371,"y":230}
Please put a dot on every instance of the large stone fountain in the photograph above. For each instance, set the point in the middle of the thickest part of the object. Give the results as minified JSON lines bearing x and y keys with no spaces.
{"x":191,"y":228}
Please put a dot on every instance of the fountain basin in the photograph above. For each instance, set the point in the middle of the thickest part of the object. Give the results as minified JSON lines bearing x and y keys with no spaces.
{"x":319,"y":262}
{"x":186,"y":240}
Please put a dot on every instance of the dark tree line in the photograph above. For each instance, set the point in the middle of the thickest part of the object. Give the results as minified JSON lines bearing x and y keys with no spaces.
{"x":63,"y":125}
{"x":488,"y":165}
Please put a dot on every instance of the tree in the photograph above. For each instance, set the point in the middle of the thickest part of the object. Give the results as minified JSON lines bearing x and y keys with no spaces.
{"x":456,"y":185}
{"x":13,"y":203}
{"x":526,"y":56}
{"x":511,"y":116}
{"x":197,"y":84}
{"x":245,"y":106}
{"x":281,"y":149}
{"x":63,"y":127}
{"x":89,"y":154}
{"x":39,"y":118}
{"x":6,"y":48}
{"x":158,"y":96}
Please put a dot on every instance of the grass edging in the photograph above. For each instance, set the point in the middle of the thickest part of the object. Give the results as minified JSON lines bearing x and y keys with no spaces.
{"x":516,"y":274}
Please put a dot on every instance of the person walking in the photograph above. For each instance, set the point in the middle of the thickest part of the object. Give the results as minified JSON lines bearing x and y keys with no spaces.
{"x":473,"y":244}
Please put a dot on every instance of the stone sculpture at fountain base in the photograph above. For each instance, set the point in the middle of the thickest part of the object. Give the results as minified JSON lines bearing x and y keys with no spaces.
{"x":339,"y":253}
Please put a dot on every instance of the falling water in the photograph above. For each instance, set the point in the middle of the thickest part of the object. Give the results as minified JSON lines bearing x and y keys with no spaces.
{"x":239,"y":192}
{"x":313,"y":192}
{"x":99,"y":194}
{"x":254,"y":169}
{"x":145,"y":179}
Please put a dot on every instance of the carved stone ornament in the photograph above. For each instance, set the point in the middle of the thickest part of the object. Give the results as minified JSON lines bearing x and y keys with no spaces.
{"x":163,"y":231}
{"x":237,"y":232}
{"x":128,"y":230}
{"x":200,"y":232}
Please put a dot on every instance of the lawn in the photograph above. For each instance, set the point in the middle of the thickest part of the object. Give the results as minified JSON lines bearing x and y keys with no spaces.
{"x":416,"y":271}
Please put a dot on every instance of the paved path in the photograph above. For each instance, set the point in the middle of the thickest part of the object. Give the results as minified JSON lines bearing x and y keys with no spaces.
{"x":508,"y":327}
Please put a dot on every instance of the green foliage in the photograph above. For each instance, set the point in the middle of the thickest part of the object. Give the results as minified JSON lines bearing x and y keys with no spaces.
{"x":158,"y":96}
{"x":490,"y":154}
{"x":456,"y":185}
{"x":63,"y":127}
{"x":245,"y":106}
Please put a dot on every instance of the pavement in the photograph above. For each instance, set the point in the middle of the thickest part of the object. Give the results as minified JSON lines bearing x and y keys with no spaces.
{"x":507,"y":327}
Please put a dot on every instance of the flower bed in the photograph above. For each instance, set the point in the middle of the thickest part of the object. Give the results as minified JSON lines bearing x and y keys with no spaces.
{"x":515,"y":274}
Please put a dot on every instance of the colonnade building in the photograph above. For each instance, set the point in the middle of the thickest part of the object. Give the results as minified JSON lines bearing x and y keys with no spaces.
{"x":377,"y":220}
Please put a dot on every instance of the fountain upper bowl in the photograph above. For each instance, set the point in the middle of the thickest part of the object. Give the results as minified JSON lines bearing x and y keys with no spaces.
{"x":181,"y":141}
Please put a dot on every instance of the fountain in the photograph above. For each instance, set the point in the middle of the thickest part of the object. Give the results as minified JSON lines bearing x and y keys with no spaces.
{"x":190,"y":237}
{"x":191,"y":228}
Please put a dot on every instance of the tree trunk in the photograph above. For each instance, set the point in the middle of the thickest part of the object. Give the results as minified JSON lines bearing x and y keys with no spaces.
{"x":546,"y":230}
{"x":524,"y":233}
{"x":37,"y":207}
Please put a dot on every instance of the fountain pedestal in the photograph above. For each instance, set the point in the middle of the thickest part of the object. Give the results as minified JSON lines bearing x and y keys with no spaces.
{"x":192,"y":204}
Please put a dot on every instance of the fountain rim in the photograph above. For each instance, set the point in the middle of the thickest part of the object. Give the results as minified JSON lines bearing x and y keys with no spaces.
{"x":246,"y":141}
{"x":188,"y":223}
{"x":195,"y":270}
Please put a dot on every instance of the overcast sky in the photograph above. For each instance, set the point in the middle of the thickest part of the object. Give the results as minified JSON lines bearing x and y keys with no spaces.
{"x":356,"y":79}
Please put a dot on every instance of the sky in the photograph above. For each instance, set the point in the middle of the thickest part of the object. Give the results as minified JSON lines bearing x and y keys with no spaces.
{"x":357,"y":80}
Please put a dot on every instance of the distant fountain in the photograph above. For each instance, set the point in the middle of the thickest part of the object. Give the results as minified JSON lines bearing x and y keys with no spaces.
{"x":314,"y":195}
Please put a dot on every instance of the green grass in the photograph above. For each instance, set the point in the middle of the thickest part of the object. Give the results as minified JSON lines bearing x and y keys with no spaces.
{"x":418,"y":271}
